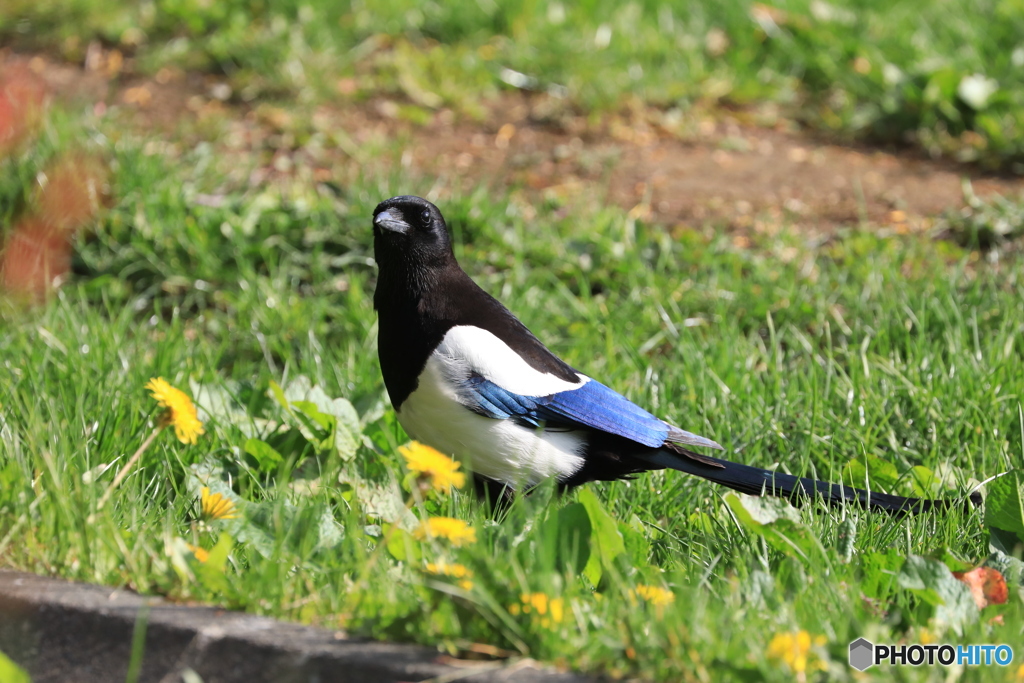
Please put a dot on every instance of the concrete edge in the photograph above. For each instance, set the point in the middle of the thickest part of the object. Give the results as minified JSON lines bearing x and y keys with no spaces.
{"x":65,"y":631}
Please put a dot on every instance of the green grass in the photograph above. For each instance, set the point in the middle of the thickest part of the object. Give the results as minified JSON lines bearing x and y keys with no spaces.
{"x":892,"y":72}
{"x":863,"y":357}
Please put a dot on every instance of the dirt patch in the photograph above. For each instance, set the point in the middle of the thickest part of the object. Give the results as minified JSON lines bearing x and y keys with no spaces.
{"x":715,"y":168}
{"x":739,"y":175}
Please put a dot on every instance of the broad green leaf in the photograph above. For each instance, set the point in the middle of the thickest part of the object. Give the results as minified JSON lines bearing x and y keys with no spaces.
{"x":381,"y":501}
{"x":779,"y":523}
{"x":218,"y":558}
{"x":315,"y":394}
{"x":213,"y":572}
{"x":1004,"y":541}
{"x":948,"y":600}
{"x":1010,"y":567}
{"x":606,"y":539}
{"x":278,"y":393}
{"x":349,"y":434}
{"x":267,"y":458}
{"x":347,"y":430}
{"x":924,"y":580}
{"x":401,"y":545}
{"x":567,"y":535}
{"x":258,"y":531}
{"x":297,"y":389}
{"x":334,"y":420}
{"x":329,"y":533}
{"x":1004,"y":505}
{"x":953,"y":562}
{"x":270,"y":526}
{"x":219,"y":402}
{"x":637,"y":547}
{"x":759,"y":588}
{"x":295,"y":443}
{"x":11,"y":672}
{"x":878,"y":572}
{"x":872,"y":472}
{"x":702,"y":521}
{"x":318,"y":427}
{"x":923,"y":482}
{"x":757,"y":511}
{"x":313,"y":412}
{"x":181,"y":557}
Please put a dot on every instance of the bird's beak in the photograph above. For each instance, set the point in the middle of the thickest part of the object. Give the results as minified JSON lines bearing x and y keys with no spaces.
{"x":389,"y":221}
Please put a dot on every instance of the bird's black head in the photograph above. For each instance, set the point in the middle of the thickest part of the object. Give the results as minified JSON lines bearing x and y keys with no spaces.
{"x":410,"y":229}
{"x":410,"y":244}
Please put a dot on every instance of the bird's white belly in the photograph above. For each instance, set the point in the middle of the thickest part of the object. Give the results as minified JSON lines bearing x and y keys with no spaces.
{"x":497,"y":449}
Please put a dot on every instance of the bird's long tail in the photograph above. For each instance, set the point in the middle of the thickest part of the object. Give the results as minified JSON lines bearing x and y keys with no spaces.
{"x":757,"y":481}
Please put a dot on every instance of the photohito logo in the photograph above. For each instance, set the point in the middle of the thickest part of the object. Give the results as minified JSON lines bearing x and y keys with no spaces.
{"x":864,"y":654}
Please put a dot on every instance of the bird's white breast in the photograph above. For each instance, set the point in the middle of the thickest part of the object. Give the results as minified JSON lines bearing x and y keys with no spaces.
{"x":498,"y":449}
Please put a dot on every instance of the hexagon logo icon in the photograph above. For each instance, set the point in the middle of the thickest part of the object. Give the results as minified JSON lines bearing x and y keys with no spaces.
{"x":862,"y":654}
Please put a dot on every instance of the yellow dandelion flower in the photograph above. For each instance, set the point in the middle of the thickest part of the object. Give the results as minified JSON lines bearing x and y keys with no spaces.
{"x":454,"y":569}
{"x":793,"y":648}
{"x":216,"y":506}
{"x":178,"y":410}
{"x":455,"y":530}
{"x":537,"y":601}
{"x":546,"y":611}
{"x":433,"y":466}
{"x":557,"y":609}
{"x":199,"y":553}
{"x":654,"y":595}
{"x":457,"y":571}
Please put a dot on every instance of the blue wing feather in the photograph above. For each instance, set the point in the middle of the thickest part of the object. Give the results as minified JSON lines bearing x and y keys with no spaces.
{"x":593,"y":405}
{"x":596,"y":406}
{"x":487,"y":398}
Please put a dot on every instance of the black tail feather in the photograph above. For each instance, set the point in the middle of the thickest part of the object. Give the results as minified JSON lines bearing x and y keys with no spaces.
{"x":757,"y":481}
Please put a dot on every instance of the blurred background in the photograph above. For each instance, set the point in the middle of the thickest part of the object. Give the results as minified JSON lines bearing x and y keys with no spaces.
{"x":740,"y":115}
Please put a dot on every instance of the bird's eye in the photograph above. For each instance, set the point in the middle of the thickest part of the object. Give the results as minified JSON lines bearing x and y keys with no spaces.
{"x":425,"y":217}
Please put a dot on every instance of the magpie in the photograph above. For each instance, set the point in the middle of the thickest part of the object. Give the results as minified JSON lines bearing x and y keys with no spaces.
{"x":466,"y":377}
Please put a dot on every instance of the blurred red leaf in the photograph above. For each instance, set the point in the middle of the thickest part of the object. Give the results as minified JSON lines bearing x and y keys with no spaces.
{"x":34,"y":255}
{"x":988,"y":587}
{"x":22,"y":100}
{"x":24,"y":88}
{"x":7,"y":118}
{"x":72,"y":193}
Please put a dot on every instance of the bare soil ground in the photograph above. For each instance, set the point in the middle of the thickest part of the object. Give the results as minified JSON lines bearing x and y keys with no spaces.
{"x":713,"y":166}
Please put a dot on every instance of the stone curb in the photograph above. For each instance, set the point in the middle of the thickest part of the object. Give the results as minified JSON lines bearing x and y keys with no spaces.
{"x":61,"y":631}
